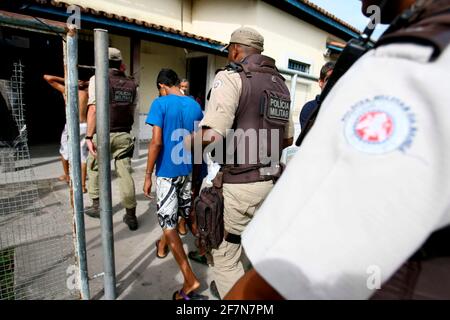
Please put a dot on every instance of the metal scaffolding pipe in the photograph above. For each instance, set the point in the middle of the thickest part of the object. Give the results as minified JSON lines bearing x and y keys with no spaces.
{"x":104,"y":159}
{"x":73,"y":125}
{"x":298,"y":73}
{"x":293,"y":90}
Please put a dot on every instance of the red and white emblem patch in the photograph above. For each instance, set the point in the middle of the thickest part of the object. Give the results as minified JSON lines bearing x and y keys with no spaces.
{"x":379,"y":125}
{"x":374,"y":127}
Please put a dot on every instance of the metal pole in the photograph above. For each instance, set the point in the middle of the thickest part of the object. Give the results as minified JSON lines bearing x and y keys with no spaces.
{"x":73,"y":124}
{"x":301,"y":75}
{"x":293,"y":90}
{"x":104,"y":159}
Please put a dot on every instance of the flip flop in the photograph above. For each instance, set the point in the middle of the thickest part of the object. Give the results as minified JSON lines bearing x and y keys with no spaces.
{"x":157,"y":255}
{"x":190,"y":296}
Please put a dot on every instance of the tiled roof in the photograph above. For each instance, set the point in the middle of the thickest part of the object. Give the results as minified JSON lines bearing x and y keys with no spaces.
{"x":329,"y":15}
{"x":336,"y":44}
{"x":62,"y":4}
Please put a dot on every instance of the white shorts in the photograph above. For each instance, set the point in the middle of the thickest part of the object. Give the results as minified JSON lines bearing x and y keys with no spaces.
{"x":173,"y":197}
{"x":64,"y":149}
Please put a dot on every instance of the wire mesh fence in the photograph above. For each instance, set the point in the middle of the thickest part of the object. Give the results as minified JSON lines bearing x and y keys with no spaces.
{"x":37,"y":255}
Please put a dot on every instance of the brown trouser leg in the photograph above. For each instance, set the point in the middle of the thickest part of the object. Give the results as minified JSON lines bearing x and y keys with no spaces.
{"x":401,"y":285}
{"x":429,"y":279}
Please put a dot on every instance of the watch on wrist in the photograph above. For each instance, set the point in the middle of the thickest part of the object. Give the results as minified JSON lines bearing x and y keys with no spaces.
{"x":88,"y":137}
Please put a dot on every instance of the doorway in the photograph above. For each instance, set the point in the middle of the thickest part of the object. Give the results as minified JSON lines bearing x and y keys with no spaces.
{"x":196,"y":69}
{"x":40,"y":54}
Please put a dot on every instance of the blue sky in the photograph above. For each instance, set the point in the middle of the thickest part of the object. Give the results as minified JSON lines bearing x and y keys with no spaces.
{"x":349,"y":11}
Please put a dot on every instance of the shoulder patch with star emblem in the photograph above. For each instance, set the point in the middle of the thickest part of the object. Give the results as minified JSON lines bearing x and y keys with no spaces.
{"x":379,"y":125}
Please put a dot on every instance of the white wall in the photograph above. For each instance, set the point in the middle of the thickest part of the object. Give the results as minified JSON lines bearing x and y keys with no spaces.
{"x":218,"y":19}
{"x":166,"y":13}
{"x":123,"y":44}
{"x":285,"y":37}
{"x":154,"y":57}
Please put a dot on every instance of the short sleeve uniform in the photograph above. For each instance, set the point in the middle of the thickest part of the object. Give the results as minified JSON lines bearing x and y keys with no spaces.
{"x":224,"y":101}
{"x":371,"y":183}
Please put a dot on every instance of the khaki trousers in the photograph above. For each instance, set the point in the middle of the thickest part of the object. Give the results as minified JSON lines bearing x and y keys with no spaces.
{"x":240,"y":204}
{"x":122,"y":144}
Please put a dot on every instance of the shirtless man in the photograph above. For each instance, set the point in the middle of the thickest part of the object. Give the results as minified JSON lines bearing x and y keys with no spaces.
{"x":58,"y":84}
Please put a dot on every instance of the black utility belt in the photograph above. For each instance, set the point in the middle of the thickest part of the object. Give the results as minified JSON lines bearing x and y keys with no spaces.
{"x":119,"y":131}
{"x":251,"y":174}
{"x":232,"y":238}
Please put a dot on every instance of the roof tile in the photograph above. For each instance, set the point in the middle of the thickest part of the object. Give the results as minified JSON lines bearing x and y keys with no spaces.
{"x":147,"y":24}
{"x":329,"y":15}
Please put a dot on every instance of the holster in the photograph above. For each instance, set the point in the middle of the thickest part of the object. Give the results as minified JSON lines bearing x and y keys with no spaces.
{"x":128,"y":153}
{"x":250,"y":174}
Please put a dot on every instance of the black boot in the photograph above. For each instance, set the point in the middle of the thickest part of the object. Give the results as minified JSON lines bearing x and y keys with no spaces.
{"x":130,"y":219}
{"x":94,"y":210}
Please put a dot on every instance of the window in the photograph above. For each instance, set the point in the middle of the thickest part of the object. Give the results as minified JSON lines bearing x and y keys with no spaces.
{"x":299,"y":66}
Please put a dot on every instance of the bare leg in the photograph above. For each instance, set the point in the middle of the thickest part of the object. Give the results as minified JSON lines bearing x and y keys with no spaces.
{"x":65,"y":164}
{"x":182,"y":226}
{"x":191,"y":282}
{"x":83,"y":176}
{"x":252,"y":287}
{"x":162,"y":246}
{"x":71,"y":195}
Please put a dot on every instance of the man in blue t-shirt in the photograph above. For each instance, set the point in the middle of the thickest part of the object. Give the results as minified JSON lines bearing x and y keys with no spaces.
{"x":173,"y":116}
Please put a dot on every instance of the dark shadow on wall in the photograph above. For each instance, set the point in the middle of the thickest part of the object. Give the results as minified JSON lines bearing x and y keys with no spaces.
{"x":40,"y":54}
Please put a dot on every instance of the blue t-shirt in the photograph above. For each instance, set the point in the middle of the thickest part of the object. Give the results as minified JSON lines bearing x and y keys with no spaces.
{"x":178,"y":116}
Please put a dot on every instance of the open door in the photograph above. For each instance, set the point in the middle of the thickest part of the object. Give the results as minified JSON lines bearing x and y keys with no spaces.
{"x":196,"y":69}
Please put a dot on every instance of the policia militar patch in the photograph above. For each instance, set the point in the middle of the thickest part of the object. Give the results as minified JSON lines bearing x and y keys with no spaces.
{"x":278,"y":108}
{"x":122,"y":96}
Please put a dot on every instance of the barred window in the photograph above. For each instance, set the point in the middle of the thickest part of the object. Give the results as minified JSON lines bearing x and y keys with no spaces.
{"x":299,"y":66}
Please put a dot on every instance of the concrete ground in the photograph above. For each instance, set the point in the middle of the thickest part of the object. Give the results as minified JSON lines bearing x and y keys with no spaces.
{"x":140,"y":274}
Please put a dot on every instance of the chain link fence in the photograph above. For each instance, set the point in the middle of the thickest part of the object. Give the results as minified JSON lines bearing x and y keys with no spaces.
{"x":37,"y":255}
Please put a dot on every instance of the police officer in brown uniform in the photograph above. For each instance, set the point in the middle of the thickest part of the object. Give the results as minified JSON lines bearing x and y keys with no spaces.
{"x":122,"y":105}
{"x":249,"y":112}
